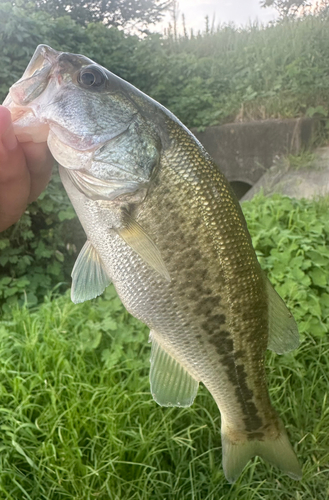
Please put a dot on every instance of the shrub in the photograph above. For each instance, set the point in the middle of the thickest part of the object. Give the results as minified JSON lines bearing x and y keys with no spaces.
{"x":291,"y":239}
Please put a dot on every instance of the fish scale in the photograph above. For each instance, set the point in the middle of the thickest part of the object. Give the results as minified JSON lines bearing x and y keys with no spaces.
{"x":203,"y":304}
{"x":163,"y":224}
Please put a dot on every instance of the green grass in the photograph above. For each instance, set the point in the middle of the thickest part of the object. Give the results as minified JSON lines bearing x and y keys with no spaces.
{"x":73,"y":429}
{"x":78,"y":422}
{"x":303,"y":160}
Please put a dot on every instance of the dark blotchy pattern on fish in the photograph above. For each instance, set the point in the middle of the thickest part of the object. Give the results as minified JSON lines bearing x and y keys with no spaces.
{"x":219,"y":287}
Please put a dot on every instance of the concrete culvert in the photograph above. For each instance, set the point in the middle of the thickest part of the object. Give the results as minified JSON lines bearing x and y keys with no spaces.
{"x":240,"y":188}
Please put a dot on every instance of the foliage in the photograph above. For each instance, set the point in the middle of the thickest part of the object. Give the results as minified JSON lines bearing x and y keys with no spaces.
{"x":286,"y":7}
{"x":291,"y":239}
{"x":77,"y":417}
{"x":38,"y":252}
{"x":20,"y":34}
{"x":296,"y":7}
{"x":221,"y":75}
{"x":109,"y":12}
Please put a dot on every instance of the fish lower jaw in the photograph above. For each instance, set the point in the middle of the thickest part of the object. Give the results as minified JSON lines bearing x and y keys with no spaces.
{"x":37,"y":136}
{"x":27,"y":127}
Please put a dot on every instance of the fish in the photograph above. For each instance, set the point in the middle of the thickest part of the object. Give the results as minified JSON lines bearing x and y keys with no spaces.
{"x":164,"y":226}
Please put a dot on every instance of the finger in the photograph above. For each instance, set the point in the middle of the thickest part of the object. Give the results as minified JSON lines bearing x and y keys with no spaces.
{"x":14,"y":174}
{"x":39,"y":162}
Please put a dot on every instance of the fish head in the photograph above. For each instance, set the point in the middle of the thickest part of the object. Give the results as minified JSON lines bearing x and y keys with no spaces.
{"x":96,"y":124}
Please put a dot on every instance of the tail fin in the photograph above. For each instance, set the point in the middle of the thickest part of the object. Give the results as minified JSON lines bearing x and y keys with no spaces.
{"x":276,"y":451}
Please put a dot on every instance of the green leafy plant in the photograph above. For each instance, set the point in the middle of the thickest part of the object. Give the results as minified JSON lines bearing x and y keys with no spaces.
{"x":291,"y":239}
{"x":220,"y":75}
{"x":39,"y":251}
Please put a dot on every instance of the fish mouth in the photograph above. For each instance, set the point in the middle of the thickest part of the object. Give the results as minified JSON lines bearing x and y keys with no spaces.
{"x":23,"y":101}
{"x":29,"y":128}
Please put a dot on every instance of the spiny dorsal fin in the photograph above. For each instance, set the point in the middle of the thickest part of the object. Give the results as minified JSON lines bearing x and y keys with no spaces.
{"x":283,"y":331}
{"x":134,"y":235}
{"x":171,"y":383}
{"x":89,"y":278}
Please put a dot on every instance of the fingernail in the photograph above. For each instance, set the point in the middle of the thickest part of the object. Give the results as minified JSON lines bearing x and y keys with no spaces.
{"x":9,"y":139}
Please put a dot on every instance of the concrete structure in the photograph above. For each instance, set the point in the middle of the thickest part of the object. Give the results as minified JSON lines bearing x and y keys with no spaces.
{"x":310,"y":180}
{"x":244,"y":151}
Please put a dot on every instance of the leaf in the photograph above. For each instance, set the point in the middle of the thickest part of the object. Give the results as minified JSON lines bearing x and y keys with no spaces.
{"x":59,"y":256}
{"x":8,"y":292}
{"x":67,"y":214}
{"x":5,"y":281}
{"x":112,"y":356}
{"x":317,"y":258}
{"x":109,"y":324}
{"x":90,"y":338}
{"x":319,"y":278}
{"x":3,"y":260}
{"x":297,"y":274}
{"x":20,"y":450}
{"x":22,"y":282}
{"x":31,"y":299}
{"x":4,"y":242}
{"x":324,"y":300}
{"x":317,"y":328}
{"x":318,"y":110}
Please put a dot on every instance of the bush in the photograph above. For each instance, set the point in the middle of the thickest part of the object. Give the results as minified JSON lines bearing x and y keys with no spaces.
{"x":38,"y":252}
{"x":291,"y":239}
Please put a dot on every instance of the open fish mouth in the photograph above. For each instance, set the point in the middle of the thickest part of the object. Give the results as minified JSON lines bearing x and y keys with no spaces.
{"x":29,"y":98}
{"x":28,"y":127}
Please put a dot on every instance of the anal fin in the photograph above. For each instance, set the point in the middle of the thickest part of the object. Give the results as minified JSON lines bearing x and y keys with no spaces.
{"x":171,"y":383}
{"x":89,"y":278}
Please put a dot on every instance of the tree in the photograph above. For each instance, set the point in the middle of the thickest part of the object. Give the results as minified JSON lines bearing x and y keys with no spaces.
{"x":292,"y":7}
{"x":110,"y":12}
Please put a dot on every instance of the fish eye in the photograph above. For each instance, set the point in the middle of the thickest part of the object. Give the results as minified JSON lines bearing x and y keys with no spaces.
{"x":91,"y":77}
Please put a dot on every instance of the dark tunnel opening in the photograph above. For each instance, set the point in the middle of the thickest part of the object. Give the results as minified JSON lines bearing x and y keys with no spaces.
{"x":240,"y":188}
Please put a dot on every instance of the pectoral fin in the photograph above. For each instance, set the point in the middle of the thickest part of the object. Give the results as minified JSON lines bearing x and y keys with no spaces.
{"x":89,"y":278}
{"x":134,"y":235}
{"x":283,"y":331}
{"x":171,"y":383}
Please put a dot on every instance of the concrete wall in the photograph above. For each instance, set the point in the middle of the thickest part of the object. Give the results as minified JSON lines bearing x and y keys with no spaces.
{"x":244,"y":151}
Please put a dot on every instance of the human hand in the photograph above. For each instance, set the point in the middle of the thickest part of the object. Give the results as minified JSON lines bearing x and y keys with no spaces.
{"x":25,"y":170}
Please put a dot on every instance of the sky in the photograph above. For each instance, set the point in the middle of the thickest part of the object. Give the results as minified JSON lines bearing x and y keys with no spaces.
{"x":241,"y":12}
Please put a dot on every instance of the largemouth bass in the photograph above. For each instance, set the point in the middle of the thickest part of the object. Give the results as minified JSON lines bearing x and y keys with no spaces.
{"x":163,"y":224}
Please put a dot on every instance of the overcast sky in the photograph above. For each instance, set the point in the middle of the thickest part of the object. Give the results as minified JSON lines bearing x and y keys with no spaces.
{"x":238,"y":11}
